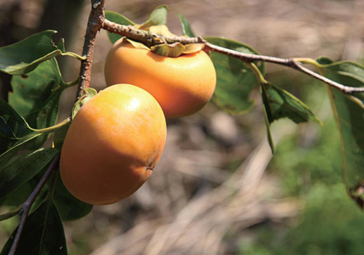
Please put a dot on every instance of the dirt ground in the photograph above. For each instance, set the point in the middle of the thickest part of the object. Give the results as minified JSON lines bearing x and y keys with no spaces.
{"x":211,"y":180}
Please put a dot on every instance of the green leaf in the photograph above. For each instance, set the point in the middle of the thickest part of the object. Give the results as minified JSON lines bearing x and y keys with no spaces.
{"x":47,"y":117}
{"x":12,"y":126}
{"x":36,"y":96}
{"x":23,"y":169}
{"x":267,"y":124}
{"x":186,"y":27}
{"x":279,"y":104}
{"x":157,"y":17}
{"x":43,"y":233}
{"x":11,"y":123}
{"x":61,"y":45}
{"x":69,"y":207}
{"x":30,"y":91}
{"x":349,"y":115}
{"x":14,"y":133}
{"x":20,"y":195}
{"x":324,"y":61}
{"x":90,"y":92}
{"x":235,"y":79}
{"x":7,"y":155}
{"x":119,"y":19}
{"x":24,"y":56}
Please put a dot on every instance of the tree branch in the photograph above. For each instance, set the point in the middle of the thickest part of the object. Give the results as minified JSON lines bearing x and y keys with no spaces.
{"x":151,"y":39}
{"x":30,"y":201}
{"x":143,"y":36}
{"x":94,"y":24}
{"x":292,"y":63}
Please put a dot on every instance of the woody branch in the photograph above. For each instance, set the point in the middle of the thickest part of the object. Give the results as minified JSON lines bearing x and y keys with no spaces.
{"x":151,"y":39}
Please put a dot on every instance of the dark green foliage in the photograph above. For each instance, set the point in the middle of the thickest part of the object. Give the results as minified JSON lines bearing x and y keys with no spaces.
{"x":349,"y":115}
{"x":30,"y":117}
{"x":43,"y":233}
{"x":235,"y":79}
{"x":279,"y":104}
{"x":23,"y":169}
{"x":22,"y":57}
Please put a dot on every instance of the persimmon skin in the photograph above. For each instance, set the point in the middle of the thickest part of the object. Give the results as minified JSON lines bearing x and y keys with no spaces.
{"x":112,"y":145}
{"x":182,"y":85}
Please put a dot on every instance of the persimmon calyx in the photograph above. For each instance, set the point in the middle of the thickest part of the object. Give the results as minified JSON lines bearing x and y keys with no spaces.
{"x":169,"y":49}
{"x":161,"y":47}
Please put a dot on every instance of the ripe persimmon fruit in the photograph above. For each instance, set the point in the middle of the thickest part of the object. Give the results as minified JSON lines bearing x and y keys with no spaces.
{"x":112,"y":145}
{"x":182,"y":85}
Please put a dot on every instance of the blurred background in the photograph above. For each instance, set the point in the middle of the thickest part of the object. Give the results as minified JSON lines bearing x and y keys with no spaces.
{"x":217,"y":188}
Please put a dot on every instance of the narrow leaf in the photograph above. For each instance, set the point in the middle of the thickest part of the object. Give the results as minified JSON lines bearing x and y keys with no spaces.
{"x":12,"y":126}
{"x":267,"y":123}
{"x":186,"y":27}
{"x":23,"y":169}
{"x":279,"y":104}
{"x":157,"y":17}
{"x":90,"y":92}
{"x":235,"y":79}
{"x":20,"y":194}
{"x":8,"y":154}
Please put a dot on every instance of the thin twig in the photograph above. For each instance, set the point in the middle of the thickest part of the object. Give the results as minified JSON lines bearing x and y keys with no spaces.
{"x":292,"y":63}
{"x":94,"y":24}
{"x":342,"y":88}
{"x":151,"y":39}
{"x":246,"y":57}
{"x":29,"y":202}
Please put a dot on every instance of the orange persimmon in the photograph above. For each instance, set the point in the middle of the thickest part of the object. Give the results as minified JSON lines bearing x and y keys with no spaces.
{"x":182,"y":85}
{"x":112,"y":145}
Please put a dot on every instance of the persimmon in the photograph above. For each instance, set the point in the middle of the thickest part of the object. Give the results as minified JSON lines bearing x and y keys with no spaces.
{"x":182,"y":85}
{"x":112,"y":145}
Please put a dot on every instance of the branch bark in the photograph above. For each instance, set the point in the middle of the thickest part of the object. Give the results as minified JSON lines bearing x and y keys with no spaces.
{"x":151,"y":39}
{"x":143,"y":36}
{"x":94,"y":24}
